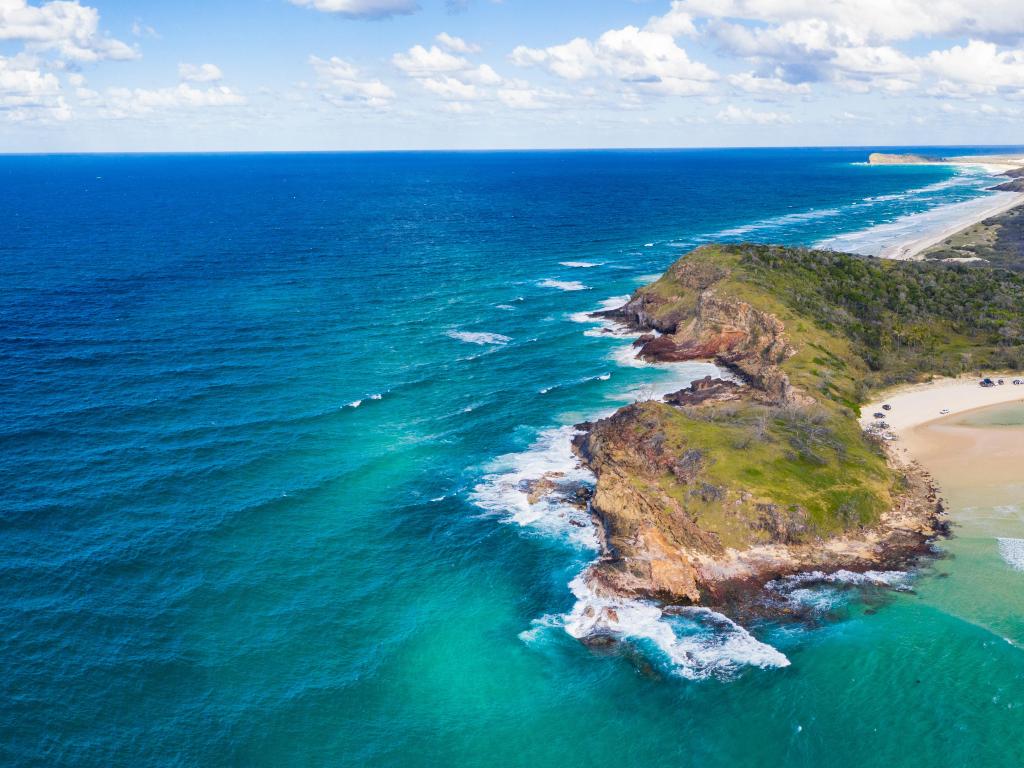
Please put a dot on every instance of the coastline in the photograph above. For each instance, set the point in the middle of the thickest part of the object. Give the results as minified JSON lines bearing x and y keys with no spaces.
{"x":914,"y":405}
{"x":913,"y":249}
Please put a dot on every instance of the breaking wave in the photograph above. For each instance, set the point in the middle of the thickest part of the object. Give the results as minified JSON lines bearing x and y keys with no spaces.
{"x":696,"y":643}
{"x":564,"y":285}
{"x":471,"y":337}
{"x":1012,"y":552}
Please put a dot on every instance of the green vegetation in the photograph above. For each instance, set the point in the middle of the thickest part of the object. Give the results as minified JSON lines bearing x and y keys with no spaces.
{"x":871,"y":323}
{"x":758,"y":470}
{"x":997,"y":241}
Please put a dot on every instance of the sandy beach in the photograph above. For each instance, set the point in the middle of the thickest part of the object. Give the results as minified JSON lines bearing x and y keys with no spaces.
{"x":1000,"y":202}
{"x":916,"y":404}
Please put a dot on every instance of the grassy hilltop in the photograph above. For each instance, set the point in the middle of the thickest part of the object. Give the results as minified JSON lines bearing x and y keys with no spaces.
{"x":783,"y":460}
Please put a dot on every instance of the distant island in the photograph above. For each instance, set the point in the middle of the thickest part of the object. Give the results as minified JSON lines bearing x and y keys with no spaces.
{"x":707,"y":495}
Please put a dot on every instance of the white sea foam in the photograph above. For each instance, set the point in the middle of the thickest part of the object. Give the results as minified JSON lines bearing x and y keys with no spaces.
{"x":699,"y":643}
{"x":1012,"y":552}
{"x":892,"y":579}
{"x":376,"y":397}
{"x":579,"y":264}
{"x":913,"y":227}
{"x":354,"y":404}
{"x":479,"y":338}
{"x":777,"y":221}
{"x":648,"y":245}
{"x":627,"y":356}
{"x":585,"y":380}
{"x":604,"y":326}
{"x":564,"y":285}
{"x":504,"y":306}
{"x":505,"y":488}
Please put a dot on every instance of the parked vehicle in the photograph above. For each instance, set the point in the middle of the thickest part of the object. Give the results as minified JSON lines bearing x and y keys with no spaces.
{"x":987,"y":383}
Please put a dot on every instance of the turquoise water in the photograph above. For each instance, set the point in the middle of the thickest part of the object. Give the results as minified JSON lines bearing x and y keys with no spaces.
{"x":211,"y":555}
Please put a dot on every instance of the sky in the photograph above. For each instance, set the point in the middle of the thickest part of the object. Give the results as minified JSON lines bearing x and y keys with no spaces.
{"x":250,"y":75}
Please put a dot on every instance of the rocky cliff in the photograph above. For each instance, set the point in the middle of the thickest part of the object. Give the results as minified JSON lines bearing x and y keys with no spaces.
{"x":727,"y":484}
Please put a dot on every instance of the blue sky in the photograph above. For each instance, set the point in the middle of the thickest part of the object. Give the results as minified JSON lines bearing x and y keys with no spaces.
{"x":114,"y":75}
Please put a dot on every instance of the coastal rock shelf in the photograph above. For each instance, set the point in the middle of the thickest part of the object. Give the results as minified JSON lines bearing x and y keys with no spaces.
{"x":724,"y":486}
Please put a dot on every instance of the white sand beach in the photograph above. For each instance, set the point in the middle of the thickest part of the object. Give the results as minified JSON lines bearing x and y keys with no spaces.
{"x":916,"y":404}
{"x":963,"y":216}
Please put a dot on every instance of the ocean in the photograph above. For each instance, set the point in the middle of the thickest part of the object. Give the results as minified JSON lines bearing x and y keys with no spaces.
{"x":266,"y":423}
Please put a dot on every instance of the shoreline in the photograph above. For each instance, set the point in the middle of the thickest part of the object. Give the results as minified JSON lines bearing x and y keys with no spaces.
{"x":913,"y":250}
{"x":914,"y":405}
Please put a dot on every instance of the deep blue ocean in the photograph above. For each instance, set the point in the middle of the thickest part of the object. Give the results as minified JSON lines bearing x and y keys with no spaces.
{"x":265,"y":420}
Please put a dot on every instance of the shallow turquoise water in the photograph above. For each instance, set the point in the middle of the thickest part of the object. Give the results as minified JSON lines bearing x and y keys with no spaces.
{"x":211,"y":556}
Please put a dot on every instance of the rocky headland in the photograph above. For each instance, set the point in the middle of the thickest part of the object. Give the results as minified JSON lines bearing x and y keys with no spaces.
{"x":705,"y":496}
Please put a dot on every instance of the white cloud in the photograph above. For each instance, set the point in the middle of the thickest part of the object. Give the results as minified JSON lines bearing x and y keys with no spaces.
{"x":746,"y":116}
{"x":451,"y":88}
{"x":341,"y":83}
{"x":200,"y":73}
{"x":456,"y":44}
{"x":524,"y":98}
{"x":677,"y":22}
{"x":864,"y":21}
{"x":132,"y":102}
{"x":749,"y":82}
{"x":144,"y":30}
{"x":361,"y":9}
{"x":424,"y":62}
{"x":27,"y":93}
{"x":65,"y":27}
{"x":484,"y":75}
{"x":639,"y":59}
{"x":977,"y":67}
{"x":451,"y":77}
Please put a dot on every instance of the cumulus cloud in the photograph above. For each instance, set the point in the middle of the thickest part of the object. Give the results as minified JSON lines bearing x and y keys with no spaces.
{"x":200,"y":73}
{"x":855,"y":44}
{"x":27,"y":93}
{"x":746,"y":116}
{"x":361,"y":9}
{"x":634,"y":57}
{"x":65,"y":27}
{"x":132,"y":102}
{"x":424,"y":62}
{"x":677,"y":22}
{"x":456,"y":44}
{"x":341,"y":83}
{"x":977,"y":68}
{"x":766,"y":87}
{"x":446,"y":75}
{"x":867,"y":21}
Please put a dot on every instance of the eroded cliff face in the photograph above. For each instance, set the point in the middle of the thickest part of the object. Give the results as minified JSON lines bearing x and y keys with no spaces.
{"x":675,"y":533}
{"x":684,"y":521}
{"x":699,"y":324}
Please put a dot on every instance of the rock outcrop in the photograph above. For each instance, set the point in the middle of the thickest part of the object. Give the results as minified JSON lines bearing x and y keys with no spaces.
{"x":706,"y":326}
{"x":725,"y":485}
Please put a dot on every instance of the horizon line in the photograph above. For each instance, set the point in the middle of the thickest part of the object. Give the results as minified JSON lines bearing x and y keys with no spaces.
{"x":509,"y":150}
